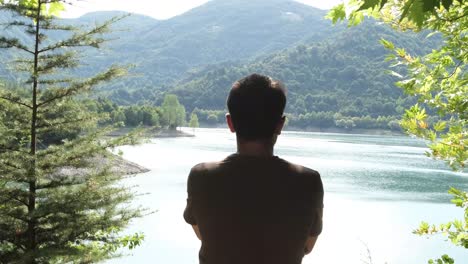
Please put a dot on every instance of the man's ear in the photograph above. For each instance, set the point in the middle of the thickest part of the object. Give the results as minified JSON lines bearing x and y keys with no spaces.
{"x":280,"y":125}
{"x":229,"y":123}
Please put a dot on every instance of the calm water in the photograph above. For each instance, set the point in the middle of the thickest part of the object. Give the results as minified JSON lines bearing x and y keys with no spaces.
{"x":378,"y":189}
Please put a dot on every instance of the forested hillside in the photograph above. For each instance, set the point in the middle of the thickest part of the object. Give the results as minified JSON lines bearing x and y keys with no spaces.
{"x":199,"y":54}
{"x":345,"y":74}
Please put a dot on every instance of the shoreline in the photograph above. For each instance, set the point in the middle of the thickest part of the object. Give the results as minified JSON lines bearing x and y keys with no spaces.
{"x":152,"y":133}
{"x":115,"y":163}
{"x":355,"y":131}
{"x":166,"y":133}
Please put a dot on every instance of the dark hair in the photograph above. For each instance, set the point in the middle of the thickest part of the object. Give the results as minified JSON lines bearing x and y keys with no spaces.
{"x":256,"y":104}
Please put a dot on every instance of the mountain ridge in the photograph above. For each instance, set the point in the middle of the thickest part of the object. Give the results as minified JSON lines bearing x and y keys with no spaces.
{"x":214,"y":32}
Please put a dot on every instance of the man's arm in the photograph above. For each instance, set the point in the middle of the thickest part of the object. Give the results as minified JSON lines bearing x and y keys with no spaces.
{"x":310,"y":243}
{"x":197,"y":231}
{"x":188,"y":212}
{"x":312,"y":239}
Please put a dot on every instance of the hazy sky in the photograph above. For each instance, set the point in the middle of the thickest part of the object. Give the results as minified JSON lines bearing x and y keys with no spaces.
{"x":160,"y":9}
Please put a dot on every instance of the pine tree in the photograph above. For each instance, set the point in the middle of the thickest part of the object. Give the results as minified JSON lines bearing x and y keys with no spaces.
{"x":56,"y":204}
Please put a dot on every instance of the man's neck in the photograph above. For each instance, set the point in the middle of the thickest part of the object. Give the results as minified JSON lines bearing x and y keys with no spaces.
{"x":255,"y":148}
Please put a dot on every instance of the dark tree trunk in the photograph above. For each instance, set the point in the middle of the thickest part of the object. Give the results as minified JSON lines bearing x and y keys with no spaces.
{"x":32,"y":221}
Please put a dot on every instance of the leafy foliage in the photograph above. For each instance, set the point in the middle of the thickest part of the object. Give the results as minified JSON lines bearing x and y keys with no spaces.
{"x":193,"y":123}
{"x":408,"y":14}
{"x":439,"y":80}
{"x":173,"y":113}
{"x":455,"y":230}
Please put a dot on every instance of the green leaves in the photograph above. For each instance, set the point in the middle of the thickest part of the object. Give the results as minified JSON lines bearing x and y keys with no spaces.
{"x":440,"y":126}
{"x":429,"y":5}
{"x":445,"y":259}
{"x":337,"y":13}
{"x":173,"y":113}
{"x":193,"y":123}
{"x":387,"y":44}
{"x":51,"y":9}
{"x":439,"y":81}
{"x":413,"y":10}
{"x":407,"y":14}
{"x":55,"y":9}
{"x":456,"y":230}
{"x":447,"y":3}
{"x":371,"y":4}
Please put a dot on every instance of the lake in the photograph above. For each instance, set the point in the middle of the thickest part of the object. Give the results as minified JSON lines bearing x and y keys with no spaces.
{"x":377,"y":190}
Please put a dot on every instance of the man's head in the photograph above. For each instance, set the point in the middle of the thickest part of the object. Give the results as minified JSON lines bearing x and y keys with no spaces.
{"x":256,"y":104}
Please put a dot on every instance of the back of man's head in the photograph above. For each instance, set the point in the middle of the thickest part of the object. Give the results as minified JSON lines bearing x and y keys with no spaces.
{"x":256,"y":104}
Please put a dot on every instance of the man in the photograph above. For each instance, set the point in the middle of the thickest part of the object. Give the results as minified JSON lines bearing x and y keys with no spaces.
{"x":253,"y":207}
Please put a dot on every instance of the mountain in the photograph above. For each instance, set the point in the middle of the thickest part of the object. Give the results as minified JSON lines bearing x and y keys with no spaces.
{"x":218,"y":31}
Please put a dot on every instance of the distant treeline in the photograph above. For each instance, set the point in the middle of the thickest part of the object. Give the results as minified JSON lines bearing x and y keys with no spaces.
{"x":171,"y":114}
{"x":312,"y":120}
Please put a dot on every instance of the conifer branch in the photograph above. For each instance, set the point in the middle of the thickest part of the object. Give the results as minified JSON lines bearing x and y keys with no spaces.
{"x":6,"y":43}
{"x":9,"y":164}
{"x":85,"y":39}
{"x":5,"y":148}
{"x":3,"y":239}
{"x":17,"y":23}
{"x":76,"y":88}
{"x":15,"y":216}
{"x":57,"y":184}
{"x":63,"y":61}
{"x":49,"y":82}
{"x":13,"y":196}
{"x":50,"y":26}
{"x":21,"y":10}
{"x":74,"y":121}
{"x":14,"y":100}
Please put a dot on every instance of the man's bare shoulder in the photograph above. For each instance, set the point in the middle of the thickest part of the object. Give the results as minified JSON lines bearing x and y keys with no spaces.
{"x":306,"y":176}
{"x":204,"y":167}
{"x":300,"y":169}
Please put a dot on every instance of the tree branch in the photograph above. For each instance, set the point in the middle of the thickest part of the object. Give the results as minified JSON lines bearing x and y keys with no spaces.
{"x":6,"y":43}
{"x":17,"y":217}
{"x":11,"y":197}
{"x":61,"y":123}
{"x":84,"y":86}
{"x":17,"y":23}
{"x":454,"y":71}
{"x":6,"y":163}
{"x":57,"y":184}
{"x":17,"y":101}
{"x":11,"y":149}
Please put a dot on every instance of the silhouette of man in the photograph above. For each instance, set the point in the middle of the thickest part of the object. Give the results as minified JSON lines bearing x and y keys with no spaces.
{"x":253,"y":207}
